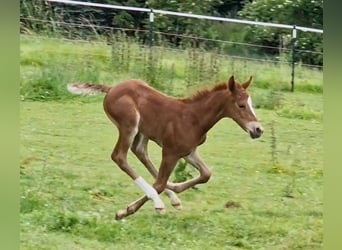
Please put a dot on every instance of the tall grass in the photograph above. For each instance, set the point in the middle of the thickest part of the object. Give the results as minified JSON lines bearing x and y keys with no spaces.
{"x":49,"y":64}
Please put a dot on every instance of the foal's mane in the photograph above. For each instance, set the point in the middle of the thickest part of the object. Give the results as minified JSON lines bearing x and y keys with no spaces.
{"x":200,"y":94}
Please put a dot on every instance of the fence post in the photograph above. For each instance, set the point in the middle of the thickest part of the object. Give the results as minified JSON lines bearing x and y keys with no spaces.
{"x":294,"y":43}
{"x":151,"y":27}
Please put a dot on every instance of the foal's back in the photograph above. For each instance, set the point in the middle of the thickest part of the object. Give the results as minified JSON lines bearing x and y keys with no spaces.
{"x":133,"y":103}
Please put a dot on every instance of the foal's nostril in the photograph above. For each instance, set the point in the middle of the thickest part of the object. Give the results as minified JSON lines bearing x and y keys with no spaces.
{"x":254,"y":129}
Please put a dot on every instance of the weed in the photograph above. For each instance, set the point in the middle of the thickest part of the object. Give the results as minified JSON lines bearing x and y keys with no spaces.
{"x":191,"y":70}
{"x":49,"y":83}
{"x":181,"y":173}
{"x":273,"y":144}
{"x":154,"y":68}
{"x":29,"y":203}
{"x":63,"y":221}
{"x":309,"y":88}
{"x":269,"y":99}
{"x":44,"y":85}
{"x":125,"y":58}
{"x":300,"y":113}
{"x":290,"y":187}
{"x":121,"y":52}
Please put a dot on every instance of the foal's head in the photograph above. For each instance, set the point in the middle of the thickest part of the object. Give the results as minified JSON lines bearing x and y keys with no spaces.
{"x":240,"y":108}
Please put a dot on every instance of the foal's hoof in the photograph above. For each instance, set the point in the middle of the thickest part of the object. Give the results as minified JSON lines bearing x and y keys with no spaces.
{"x":161,"y":210}
{"x":121,"y":214}
{"x":177,"y":206}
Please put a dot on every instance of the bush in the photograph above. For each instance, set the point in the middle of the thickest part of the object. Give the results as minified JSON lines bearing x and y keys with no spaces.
{"x":268,"y":99}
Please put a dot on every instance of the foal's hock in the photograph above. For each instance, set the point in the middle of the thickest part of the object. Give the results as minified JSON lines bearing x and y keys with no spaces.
{"x":177,"y":125}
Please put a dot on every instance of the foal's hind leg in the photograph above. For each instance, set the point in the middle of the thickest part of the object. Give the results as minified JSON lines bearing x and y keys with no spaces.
{"x":119,"y":154}
{"x":195,"y":160}
{"x":139,"y":148}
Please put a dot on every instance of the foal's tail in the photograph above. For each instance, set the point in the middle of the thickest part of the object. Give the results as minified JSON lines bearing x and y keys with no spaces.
{"x":87,"y":88}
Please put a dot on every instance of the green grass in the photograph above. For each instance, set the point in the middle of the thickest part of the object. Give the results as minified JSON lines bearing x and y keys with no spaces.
{"x":71,"y":189}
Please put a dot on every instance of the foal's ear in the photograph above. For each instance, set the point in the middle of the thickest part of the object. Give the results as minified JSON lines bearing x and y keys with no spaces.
{"x":246,"y":84}
{"x":231,"y":84}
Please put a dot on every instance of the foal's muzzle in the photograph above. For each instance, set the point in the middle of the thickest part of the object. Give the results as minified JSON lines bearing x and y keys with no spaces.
{"x":254,"y":129}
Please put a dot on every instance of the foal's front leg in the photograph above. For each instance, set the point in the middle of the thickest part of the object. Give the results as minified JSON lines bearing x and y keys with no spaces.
{"x":139,"y":148}
{"x":168,"y":163}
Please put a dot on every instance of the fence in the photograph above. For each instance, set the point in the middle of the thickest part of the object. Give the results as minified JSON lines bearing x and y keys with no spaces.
{"x":152,"y":35}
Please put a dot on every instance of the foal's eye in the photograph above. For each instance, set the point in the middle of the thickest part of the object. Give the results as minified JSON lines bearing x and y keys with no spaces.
{"x":242,"y":106}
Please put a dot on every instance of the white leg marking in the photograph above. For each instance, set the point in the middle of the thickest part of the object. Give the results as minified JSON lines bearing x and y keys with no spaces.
{"x":136,"y":129}
{"x":141,"y":149}
{"x":249,"y":101}
{"x":150,"y":192}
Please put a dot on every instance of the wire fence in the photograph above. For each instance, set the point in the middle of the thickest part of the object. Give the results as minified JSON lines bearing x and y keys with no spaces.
{"x":200,"y":59}
{"x":77,"y":31}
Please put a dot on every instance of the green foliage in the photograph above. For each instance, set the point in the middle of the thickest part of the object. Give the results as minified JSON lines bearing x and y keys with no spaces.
{"x":185,"y":26}
{"x":305,"y":13}
{"x":49,"y":83}
{"x":202,"y":67}
{"x":300,"y":113}
{"x":45,"y":85}
{"x":64,"y":222}
{"x":47,"y":65}
{"x":309,"y":88}
{"x":121,"y":52}
{"x":29,"y":203}
{"x":181,"y":172}
{"x":229,"y":8}
{"x":270,"y":99}
{"x":34,"y":9}
{"x":273,"y":144}
{"x":153,"y":69}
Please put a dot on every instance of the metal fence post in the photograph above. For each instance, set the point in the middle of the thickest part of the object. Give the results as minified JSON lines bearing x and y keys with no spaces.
{"x":151,"y":27}
{"x":294,"y":43}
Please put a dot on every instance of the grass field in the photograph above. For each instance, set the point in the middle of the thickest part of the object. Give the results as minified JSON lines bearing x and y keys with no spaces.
{"x":70,"y":188}
{"x":48,"y":64}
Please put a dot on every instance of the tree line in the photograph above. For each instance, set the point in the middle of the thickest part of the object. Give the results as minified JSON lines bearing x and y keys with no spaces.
{"x":308,"y":13}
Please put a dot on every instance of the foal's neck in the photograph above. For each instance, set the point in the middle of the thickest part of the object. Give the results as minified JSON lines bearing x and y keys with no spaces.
{"x":209,"y":109}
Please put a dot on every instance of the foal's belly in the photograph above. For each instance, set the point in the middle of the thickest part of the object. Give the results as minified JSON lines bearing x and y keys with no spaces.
{"x":154,"y":134}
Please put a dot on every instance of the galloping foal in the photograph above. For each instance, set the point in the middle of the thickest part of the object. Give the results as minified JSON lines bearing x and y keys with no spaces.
{"x":179,"y":126}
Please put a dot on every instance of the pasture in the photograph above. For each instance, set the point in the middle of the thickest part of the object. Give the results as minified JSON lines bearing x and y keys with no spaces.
{"x":264,"y":194}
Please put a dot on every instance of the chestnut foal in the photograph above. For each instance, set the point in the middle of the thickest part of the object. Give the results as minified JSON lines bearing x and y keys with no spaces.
{"x":179,"y":126}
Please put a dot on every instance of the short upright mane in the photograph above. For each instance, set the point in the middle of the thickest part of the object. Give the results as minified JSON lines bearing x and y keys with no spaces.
{"x":204,"y":92}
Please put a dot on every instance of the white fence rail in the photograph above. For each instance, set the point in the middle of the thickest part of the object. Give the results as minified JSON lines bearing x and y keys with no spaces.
{"x":222,"y":19}
{"x":152,"y":12}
